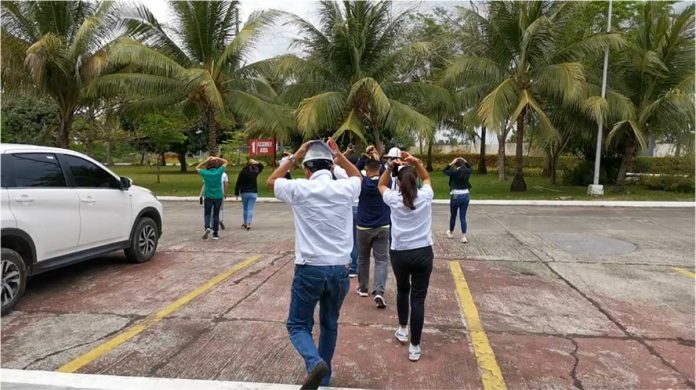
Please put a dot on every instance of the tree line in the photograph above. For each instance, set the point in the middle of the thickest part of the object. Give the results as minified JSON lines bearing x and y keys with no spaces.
{"x":370,"y":72}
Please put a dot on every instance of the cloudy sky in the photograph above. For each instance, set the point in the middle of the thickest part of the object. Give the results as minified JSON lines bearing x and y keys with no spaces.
{"x":277,"y":39}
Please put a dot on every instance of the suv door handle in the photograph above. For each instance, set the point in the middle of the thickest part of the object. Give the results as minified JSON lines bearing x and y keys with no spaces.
{"x":24,"y":199}
{"x":88,"y":200}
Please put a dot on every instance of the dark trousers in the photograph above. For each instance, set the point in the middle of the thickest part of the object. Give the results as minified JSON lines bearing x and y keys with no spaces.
{"x":458,"y":203}
{"x":412,"y":270}
{"x":212,"y":206}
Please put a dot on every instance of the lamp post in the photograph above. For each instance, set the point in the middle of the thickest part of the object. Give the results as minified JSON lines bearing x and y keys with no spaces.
{"x":596,"y":189}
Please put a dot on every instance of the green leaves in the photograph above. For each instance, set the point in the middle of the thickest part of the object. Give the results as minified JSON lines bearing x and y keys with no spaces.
{"x":320,"y":112}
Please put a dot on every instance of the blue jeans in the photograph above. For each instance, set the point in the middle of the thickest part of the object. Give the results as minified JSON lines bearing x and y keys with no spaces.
{"x":461,"y":203}
{"x":211,"y":208}
{"x":248,"y":203}
{"x":328,"y":286}
{"x":354,"y":252}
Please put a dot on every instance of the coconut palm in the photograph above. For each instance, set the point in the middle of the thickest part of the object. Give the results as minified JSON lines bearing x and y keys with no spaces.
{"x":656,"y":72}
{"x":520,"y":62}
{"x":56,"y":48}
{"x":198,"y":62}
{"x":348,"y":79}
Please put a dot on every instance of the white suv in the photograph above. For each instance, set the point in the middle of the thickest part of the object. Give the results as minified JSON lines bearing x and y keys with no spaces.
{"x":60,"y":207}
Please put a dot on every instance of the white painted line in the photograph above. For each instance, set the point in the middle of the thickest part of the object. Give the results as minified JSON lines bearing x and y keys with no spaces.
{"x":551,"y":203}
{"x":32,"y":378}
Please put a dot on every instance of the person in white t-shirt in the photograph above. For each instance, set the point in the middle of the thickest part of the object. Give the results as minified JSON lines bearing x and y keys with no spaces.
{"x":323,"y":218}
{"x":225,"y":184}
{"x":411,"y":251}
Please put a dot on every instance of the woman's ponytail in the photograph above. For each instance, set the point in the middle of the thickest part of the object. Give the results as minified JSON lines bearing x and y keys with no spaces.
{"x":408,"y":184}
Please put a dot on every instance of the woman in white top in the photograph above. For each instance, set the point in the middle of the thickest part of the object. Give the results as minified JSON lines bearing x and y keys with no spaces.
{"x":411,"y":249}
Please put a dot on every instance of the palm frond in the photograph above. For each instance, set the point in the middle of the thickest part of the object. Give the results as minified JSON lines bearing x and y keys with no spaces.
{"x":404,"y":119}
{"x":563,"y":81}
{"x":366,"y":92}
{"x":130,"y":52}
{"x":320,"y":112}
{"x":260,"y":115}
{"x":628,"y":128}
{"x":235,"y":53}
{"x":46,"y":51}
{"x":498,"y":105}
{"x":352,"y":124}
{"x":464,"y":69}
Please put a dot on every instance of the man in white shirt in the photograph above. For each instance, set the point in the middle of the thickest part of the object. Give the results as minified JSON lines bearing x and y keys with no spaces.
{"x":323,"y":217}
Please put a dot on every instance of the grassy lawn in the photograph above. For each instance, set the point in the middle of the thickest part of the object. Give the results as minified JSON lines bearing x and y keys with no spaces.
{"x":173,"y":182}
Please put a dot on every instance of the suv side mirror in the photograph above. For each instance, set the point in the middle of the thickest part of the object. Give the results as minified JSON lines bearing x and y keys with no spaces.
{"x":126,"y":182}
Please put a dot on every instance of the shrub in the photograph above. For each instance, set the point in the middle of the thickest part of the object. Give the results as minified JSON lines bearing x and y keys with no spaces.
{"x":669,"y":165}
{"x":670,"y":183}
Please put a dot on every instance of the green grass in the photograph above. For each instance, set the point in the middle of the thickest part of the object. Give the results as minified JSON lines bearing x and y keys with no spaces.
{"x":173,"y":182}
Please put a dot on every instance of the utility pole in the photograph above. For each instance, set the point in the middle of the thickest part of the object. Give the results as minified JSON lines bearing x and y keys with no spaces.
{"x":596,"y":189}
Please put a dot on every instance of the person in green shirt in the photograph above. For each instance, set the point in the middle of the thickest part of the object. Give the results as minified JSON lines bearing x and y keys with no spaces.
{"x":211,"y":171}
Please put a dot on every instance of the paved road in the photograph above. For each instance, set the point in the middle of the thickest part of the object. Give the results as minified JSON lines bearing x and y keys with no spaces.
{"x":566,"y":297}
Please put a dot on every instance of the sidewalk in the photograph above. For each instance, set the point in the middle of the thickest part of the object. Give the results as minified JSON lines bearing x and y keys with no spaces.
{"x":552,"y":203}
{"x":47,"y":380}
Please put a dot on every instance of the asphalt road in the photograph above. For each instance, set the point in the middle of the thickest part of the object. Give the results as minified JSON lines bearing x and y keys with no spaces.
{"x":540,"y":297}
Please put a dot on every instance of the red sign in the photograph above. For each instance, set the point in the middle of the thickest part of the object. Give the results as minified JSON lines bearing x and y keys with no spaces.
{"x":261,"y":147}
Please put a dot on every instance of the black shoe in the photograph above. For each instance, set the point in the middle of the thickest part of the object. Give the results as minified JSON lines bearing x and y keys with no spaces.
{"x":222,"y":225}
{"x":314,"y":378}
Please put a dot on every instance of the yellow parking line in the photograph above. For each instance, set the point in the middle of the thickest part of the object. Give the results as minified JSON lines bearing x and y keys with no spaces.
{"x":134,"y":330}
{"x":491,"y":377}
{"x":685,"y":272}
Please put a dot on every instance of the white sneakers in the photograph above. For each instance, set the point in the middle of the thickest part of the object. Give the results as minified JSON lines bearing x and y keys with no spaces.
{"x":414,"y":352}
{"x":362,"y":293}
{"x":449,"y":235}
{"x":207,"y":233}
{"x":401,"y":334}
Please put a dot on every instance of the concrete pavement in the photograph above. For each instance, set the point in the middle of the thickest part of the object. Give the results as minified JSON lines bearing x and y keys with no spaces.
{"x":566,"y":297}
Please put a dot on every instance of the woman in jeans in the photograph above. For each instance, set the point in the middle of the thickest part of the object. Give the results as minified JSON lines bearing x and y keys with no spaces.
{"x":458,"y":171}
{"x":246,"y":185}
{"x":411,"y":250}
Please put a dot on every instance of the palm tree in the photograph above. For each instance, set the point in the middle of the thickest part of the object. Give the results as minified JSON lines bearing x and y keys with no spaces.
{"x":656,"y":72}
{"x":62,"y":45}
{"x":519,"y":62}
{"x":197,"y":63}
{"x":349,"y":79}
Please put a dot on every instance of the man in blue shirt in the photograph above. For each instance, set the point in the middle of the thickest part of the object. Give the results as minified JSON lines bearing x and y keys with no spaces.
{"x":211,"y":171}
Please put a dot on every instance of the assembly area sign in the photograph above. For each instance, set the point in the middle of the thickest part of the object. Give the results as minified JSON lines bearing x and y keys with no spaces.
{"x":261,"y":147}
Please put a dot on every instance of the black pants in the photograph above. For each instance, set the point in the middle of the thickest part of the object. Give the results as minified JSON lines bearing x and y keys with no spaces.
{"x":412,"y":270}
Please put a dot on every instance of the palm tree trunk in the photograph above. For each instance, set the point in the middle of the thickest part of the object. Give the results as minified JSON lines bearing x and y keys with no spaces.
{"x":518,"y":184}
{"x":182,"y":161}
{"x":212,"y":131}
{"x":501,"y":155}
{"x":66,"y":119}
{"x":429,"y":165}
{"x":482,"y":155}
{"x":626,"y":161}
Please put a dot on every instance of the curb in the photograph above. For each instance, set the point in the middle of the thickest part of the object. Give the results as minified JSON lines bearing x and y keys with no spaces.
{"x":548,"y":203}
{"x":31,"y":379}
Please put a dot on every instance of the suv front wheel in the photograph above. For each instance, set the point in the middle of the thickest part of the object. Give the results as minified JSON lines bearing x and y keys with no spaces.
{"x":14,"y":279}
{"x":143,"y":241}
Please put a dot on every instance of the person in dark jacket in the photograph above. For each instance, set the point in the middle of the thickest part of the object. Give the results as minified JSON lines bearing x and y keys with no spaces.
{"x":459,"y":171}
{"x":246,"y":185}
{"x":373,"y":224}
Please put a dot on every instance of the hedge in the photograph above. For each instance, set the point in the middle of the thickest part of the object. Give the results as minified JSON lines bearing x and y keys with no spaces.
{"x":669,"y":165}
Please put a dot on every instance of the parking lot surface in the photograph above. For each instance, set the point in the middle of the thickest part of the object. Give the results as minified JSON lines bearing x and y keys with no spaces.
{"x":540,"y":297}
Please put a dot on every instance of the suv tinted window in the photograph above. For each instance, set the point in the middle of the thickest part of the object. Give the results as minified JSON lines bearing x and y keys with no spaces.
{"x":5,"y":175}
{"x":36,"y":170}
{"x":90,"y":175}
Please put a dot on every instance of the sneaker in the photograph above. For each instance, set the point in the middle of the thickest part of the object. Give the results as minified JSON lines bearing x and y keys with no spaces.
{"x":401,"y":335}
{"x":362,"y":293}
{"x":414,"y":352}
{"x":448,"y":234}
{"x":464,"y":240}
{"x":207,"y":233}
{"x":353,"y":276}
{"x":222,"y":225}
{"x":216,"y":237}
{"x":248,"y":227}
{"x":314,"y":378}
{"x":243,"y":226}
{"x":379,"y":300}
